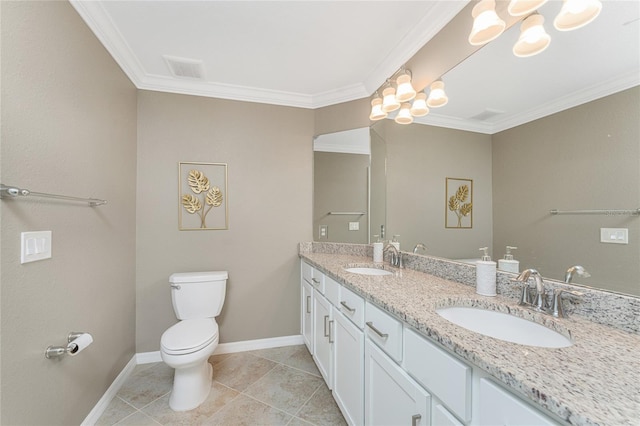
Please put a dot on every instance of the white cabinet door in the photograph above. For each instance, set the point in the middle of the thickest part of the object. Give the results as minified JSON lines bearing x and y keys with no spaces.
{"x":500,"y":407}
{"x":322,"y":338}
{"x":391,"y":396}
{"x":348,"y":369}
{"x":306,"y":318}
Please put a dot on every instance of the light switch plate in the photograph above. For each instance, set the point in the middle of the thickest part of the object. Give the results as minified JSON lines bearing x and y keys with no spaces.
{"x":35,"y":246}
{"x":323,"y":232}
{"x":614,"y":235}
{"x":354,"y":226}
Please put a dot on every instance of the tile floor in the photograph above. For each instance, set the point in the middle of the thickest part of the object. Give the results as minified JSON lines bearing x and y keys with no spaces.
{"x":279,"y":386}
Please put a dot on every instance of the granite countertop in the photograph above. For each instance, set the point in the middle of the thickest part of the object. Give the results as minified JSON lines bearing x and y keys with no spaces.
{"x":596,"y":381}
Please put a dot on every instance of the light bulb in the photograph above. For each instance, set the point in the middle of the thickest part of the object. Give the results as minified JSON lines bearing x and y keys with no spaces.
{"x":533,"y":38}
{"x":437,"y":96}
{"x":405,"y":91}
{"x":404,"y":115}
{"x":576,"y":14}
{"x":376,"y":110}
{"x":389,"y":102}
{"x":419,"y":107}
{"x":487,"y":25}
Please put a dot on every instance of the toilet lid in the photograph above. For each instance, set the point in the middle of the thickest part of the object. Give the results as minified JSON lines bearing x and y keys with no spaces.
{"x":189,"y":336}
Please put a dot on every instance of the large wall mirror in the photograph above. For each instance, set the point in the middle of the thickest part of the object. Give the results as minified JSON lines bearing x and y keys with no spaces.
{"x":581,"y":157}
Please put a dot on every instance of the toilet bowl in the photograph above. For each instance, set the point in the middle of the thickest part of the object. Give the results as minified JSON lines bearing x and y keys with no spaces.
{"x":186,"y":346}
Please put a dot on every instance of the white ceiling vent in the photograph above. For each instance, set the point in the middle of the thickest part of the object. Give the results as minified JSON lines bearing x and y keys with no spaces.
{"x":486,"y":115}
{"x":185,"y":68}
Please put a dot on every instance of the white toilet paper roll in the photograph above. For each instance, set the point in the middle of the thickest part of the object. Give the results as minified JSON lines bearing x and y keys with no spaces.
{"x":486,"y":278}
{"x":79,"y":344}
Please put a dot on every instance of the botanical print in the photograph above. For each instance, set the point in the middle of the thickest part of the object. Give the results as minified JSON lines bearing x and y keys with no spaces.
{"x":459,"y":202}
{"x":201,"y":195}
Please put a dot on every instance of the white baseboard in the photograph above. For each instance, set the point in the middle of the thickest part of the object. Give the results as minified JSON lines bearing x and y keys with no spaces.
{"x":151,"y":357}
{"x":233,"y":347}
{"x":108,"y":396}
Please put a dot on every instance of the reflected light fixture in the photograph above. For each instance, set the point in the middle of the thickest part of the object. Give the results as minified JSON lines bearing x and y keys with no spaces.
{"x":419,"y":107}
{"x":524,"y":7}
{"x":389,"y":101}
{"x":437,"y":96}
{"x":576,"y":14}
{"x":404,"y":115}
{"x":533,"y":38}
{"x":376,"y":109}
{"x":487,"y":25}
{"x":405,"y":91}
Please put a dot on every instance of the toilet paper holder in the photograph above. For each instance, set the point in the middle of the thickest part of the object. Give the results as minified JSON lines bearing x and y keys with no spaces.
{"x":83,"y":340}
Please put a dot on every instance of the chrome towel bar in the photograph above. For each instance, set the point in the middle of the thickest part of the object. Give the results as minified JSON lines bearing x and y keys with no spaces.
{"x":13,"y":192}
{"x":612,"y":212}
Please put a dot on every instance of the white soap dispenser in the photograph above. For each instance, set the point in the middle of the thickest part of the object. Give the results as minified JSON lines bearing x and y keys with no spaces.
{"x":378,"y":247}
{"x":486,"y":275}
{"x":395,"y":242}
{"x":509,"y":264}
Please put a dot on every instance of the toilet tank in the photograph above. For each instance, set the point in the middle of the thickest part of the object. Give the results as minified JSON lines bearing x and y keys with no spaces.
{"x":198,"y":294}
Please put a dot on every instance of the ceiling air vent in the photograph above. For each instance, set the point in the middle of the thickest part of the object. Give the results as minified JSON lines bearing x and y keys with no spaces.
{"x":486,"y":115}
{"x":185,"y":68}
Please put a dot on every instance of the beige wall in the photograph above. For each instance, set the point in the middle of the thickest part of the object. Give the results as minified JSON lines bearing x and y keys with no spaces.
{"x":68,"y":127}
{"x":419,"y":159}
{"x":269,"y":156}
{"x":340,"y":184}
{"x":586,"y":157}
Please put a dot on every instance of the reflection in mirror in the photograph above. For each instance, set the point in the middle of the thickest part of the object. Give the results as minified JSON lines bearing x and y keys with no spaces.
{"x":349,"y":186}
{"x":573,"y":145}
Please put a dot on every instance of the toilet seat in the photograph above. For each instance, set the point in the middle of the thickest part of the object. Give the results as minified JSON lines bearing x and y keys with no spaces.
{"x":189,"y":336}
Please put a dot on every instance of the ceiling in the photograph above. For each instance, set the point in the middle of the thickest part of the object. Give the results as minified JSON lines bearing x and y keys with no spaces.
{"x":312,"y":54}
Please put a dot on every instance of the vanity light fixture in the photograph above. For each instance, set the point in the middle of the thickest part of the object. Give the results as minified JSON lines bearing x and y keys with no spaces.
{"x":419,"y":107}
{"x":524,"y":7}
{"x":376,"y":109}
{"x":487,"y":25}
{"x":404,"y":115}
{"x":533,"y":38}
{"x":437,"y":96}
{"x":389,"y":101}
{"x":405,"y":91}
{"x":576,"y":14}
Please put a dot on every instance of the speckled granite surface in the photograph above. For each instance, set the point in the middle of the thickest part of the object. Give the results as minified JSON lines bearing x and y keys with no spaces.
{"x":596,"y":381}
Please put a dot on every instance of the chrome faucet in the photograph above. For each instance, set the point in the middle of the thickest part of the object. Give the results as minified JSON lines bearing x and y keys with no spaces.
{"x":419,"y":246}
{"x":546,"y":302}
{"x":396,"y":255}
{"x":525,"y":299}
{"x":579,"y":270}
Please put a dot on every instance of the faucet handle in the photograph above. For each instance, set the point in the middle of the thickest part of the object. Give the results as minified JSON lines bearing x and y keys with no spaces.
{"x":556,"y":309}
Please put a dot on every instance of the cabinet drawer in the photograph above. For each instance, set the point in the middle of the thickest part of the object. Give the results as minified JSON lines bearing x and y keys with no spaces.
{"x":441,"y":417}
{"x":313,"y":276}
{"x":352,"y":306}
{"x":444,"y":375}
{"x":384,"y":330}
{"x":498,"y":406}
{"x":331,"y":290}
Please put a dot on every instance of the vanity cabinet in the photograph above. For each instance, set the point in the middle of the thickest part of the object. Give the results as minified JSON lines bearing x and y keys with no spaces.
{"x":348,"y":369}
{"x":306,"y":314}
{"x":323,"y":340}
{"x":392,"y":397}
{"x":383,"y":372}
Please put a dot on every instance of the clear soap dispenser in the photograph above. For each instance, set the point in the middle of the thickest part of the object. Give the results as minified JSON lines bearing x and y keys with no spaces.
{"x":486,"y":275}
{"x":395,"y":242}
{"x":509,"y":264}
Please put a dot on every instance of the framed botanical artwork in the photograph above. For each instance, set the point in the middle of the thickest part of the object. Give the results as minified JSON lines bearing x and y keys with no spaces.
{"x":203,"y":197}
{"x":458,"y":211}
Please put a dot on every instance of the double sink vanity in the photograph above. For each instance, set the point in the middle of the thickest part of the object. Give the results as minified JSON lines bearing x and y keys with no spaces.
{"x":418,"y":346}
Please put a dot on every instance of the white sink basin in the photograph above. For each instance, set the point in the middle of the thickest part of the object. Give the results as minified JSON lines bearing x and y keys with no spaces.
{"x":504,"y":327}
{"x":368,"y":271}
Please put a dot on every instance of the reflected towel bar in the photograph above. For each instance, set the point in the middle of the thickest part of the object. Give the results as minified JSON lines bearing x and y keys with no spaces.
{"x":12,"y":191}
{"x":631,"y":212}
{"x":348,"y":213}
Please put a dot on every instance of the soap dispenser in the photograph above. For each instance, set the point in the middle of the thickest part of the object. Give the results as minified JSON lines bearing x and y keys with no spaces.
{"x":395,"y":242}
{"x":486,"y":275}
{"x":509,"y":264}
{"x":377,"y":250}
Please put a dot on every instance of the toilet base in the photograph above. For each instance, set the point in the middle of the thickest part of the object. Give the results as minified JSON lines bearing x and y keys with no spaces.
{"x":191,"y":386}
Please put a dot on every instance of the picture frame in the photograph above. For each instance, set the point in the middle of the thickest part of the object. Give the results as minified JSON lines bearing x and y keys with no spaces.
{"x":458,"y":203}
{"x":202,"y":196}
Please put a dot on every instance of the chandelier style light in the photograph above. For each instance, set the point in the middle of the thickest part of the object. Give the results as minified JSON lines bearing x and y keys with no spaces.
{"x":400,"y":97}
{"x":487,"y":25}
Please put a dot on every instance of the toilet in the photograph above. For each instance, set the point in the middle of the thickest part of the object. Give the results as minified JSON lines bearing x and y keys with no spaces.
{"x":197,"y":298}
